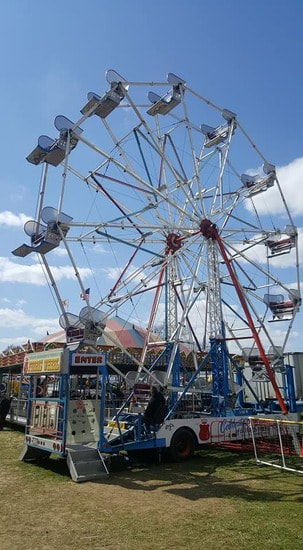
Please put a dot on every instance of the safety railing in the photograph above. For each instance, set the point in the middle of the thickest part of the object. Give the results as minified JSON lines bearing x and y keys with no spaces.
{"x":278,"y":443}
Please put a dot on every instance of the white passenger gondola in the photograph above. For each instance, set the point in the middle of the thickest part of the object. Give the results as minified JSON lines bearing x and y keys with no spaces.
{"x":103,"y":106}
{"x":44,"y":238}
{"x":259,"y":183}
{"x":53,"y":151}
{"x":163,"y":105}
{"x":215,"y":136}
{"x":283,"y":242}
{"x":281,"y":308}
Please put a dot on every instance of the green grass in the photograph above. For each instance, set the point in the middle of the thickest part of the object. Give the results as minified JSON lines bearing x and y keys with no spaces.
{"x":217,"y":500}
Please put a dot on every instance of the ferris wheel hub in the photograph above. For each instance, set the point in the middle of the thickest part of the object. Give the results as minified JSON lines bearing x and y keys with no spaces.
{"x":173,"y":243}
{"x":208,"y":229}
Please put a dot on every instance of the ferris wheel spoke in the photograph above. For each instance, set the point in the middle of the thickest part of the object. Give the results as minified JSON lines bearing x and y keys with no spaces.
{"x":151,"y":317}
{"x":222,"y":162}
{"x":191,"y":144}
{"x":153,"y":140}
{"x":112,"y":291}
{"x":117,"y":144}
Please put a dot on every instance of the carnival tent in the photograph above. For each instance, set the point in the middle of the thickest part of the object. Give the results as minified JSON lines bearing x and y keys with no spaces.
{"x":117,"y":333}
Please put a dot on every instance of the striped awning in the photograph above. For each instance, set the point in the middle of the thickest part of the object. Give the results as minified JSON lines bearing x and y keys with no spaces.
{"x":117,"y":333}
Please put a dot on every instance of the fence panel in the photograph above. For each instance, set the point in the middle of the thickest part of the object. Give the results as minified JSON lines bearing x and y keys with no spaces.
{"x":278,"y":443}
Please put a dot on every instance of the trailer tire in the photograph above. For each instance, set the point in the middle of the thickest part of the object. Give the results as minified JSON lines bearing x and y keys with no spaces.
{"x":182,"y":445}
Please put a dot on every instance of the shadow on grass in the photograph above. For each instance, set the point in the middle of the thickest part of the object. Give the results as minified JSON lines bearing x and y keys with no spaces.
{"x":11,"y":428}
{"x":212,"y":474}
{"x":51,"y":465}
{"x":11,"y":448}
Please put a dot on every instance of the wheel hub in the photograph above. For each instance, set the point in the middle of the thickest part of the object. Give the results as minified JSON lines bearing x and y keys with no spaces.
{"x":208,"y":229}
{"x":173,"y":243}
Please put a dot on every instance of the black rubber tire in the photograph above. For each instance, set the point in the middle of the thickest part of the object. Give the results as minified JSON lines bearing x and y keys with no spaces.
{"x":182,"y":446}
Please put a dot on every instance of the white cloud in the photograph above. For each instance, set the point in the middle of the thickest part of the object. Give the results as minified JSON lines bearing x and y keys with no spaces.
{"x":17,"y":340}
{"x":61,"y":252}
{"x":67,"y":272}
{"x":99,"y":249}
{"x":291,"y":180}
{"x":13,"y":220}
{"x":113,"y":272}
{"x":135,"y":274}
{"x":17,"y":318}
{"x":21,"y":303}
{"x":12,"y":272}
{"x":17,"y":192}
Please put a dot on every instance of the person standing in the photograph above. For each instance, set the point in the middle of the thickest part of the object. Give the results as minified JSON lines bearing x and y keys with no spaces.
{"x":5,"y":404}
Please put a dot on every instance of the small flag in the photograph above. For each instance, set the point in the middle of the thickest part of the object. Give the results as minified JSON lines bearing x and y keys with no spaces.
{"x":85,"y":295}
{"x":65,"y":303}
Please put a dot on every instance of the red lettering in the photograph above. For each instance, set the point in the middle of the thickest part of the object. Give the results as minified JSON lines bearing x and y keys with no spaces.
{"x":88,"y":359}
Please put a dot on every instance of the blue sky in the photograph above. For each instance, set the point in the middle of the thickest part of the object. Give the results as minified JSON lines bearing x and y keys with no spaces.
{"x":245,"y":56}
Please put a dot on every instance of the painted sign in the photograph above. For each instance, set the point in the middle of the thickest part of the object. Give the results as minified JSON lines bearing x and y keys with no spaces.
{"x":44,"y":418}
{"x":229,"y":429}
{"x":53,"y":361}
{"x":97,"y":359}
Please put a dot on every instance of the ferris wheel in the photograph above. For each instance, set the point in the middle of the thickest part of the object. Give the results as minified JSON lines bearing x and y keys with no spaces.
{"x":165,"y":211}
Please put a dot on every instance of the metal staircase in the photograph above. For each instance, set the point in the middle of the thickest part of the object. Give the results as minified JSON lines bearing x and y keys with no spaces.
{"x":86,"y":463}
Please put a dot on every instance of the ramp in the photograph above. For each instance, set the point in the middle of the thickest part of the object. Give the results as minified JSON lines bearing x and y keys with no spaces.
{"x":86,"y":464}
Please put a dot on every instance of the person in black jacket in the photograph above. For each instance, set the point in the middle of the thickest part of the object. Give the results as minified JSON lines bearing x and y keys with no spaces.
{"x":156,"y":408}
{"x":5,"y":404}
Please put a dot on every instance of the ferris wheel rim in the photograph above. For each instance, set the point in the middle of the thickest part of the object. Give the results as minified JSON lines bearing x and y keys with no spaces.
{"x":167,"y":226}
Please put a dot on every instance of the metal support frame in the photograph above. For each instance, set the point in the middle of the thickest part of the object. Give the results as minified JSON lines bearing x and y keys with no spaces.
{"x":209,"y":230}
{"x":219,"y":377}
{"x":214,"y":293}
{"x":290,"y":385}
{"x":185,"y":389}
{"x":61,"y":401}
{"x":103,"y":379}
{"x":251,"y":324}
{"x":175,"y":375}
